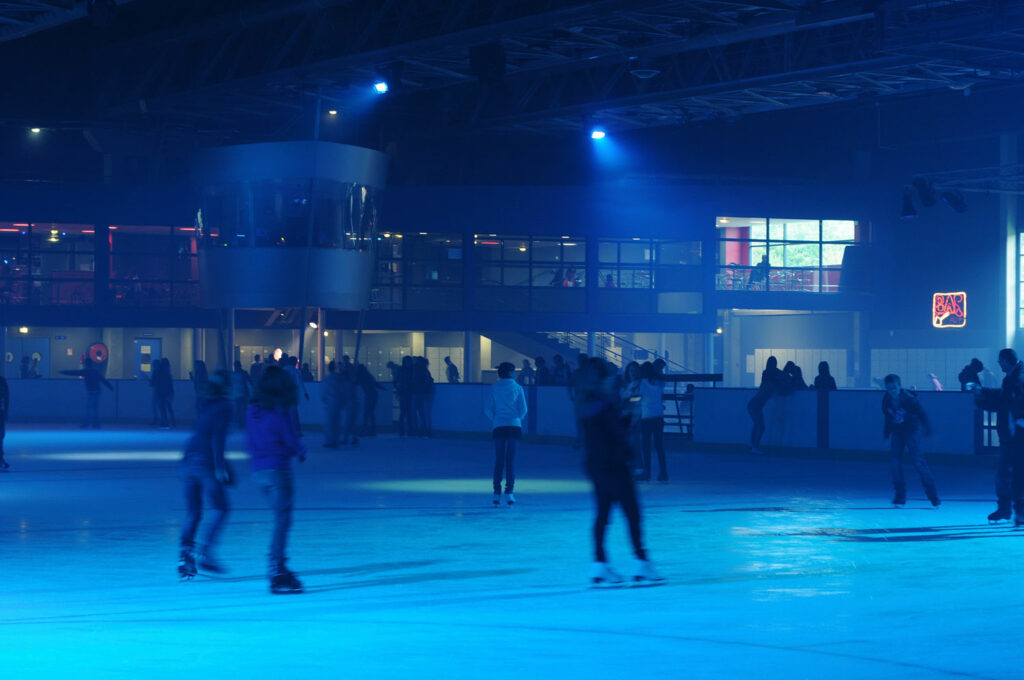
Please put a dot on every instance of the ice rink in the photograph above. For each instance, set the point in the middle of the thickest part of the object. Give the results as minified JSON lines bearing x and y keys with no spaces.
{"x":777,"y":567}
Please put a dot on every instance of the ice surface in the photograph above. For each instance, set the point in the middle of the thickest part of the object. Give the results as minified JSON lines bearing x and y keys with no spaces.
{"x":778,"y":568}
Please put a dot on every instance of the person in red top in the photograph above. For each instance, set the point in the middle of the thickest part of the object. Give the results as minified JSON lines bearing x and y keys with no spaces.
{"x":273,"y":441}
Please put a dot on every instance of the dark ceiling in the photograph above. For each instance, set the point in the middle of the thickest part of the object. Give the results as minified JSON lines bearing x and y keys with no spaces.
{"x":199,"y":72}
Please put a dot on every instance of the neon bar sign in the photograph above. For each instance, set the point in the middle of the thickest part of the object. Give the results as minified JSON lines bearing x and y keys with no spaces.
{"x":949,"y":310}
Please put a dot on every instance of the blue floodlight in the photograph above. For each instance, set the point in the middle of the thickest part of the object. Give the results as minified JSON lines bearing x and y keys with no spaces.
{"x":597,"y":133}
{"x":380,"y":87}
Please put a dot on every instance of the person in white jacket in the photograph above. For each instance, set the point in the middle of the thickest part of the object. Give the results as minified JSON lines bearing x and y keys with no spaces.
{"x":652,"y":421}
{"x":506,"y":409}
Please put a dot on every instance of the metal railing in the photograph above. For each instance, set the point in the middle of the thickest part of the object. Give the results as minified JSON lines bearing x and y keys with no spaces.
{"x":610,"y":347}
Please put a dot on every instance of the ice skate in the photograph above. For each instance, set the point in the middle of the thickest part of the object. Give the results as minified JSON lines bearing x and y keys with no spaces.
{"x":186,"y":565}
{"x":497,"y":499}
{"x":935,"y":501}
{"x":603,"y":576}
{"x":1018,"y":522}
{"x":999,"y":515}
{"x":4,"y":465}
{"x":645,"y":575}
{"x":284,"y":582}
{"x":898,"y":501}
{"x":206,"y":562}
{"x":510,"y":498}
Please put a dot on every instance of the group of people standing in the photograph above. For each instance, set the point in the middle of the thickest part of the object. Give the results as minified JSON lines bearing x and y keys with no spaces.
{"x":414,"y":389}
{"x":558,"y":373}
{"x":350,"y":396}
{"x":781,"y":382}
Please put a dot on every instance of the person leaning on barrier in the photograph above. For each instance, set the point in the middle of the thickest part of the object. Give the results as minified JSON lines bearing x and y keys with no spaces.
{"x":1008,"y":404}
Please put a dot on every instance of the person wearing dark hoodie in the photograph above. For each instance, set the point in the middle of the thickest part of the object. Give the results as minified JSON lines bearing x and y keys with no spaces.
{"x":793,"y":377}
{"x":369,"y":387}
{"x":971,"y":374}
{"x":93,"y":380}
{"x":607,"y":462}
{"x":506,"y":408}
{"x":824,"y":380}
{"x":163,"y":390}
{"x":905,"y":421}
{"x":771,"y":383}
{"x":273,"y":441}
{"x":1008,"y":403}
{"x":204,"y":471}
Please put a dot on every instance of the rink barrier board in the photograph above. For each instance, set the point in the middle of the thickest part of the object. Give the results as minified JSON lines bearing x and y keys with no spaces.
{"x":720,"y":414}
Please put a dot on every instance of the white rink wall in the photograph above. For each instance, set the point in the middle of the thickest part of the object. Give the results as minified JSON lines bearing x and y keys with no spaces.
{"x":720,"y":414}
{"x":855,"y":419}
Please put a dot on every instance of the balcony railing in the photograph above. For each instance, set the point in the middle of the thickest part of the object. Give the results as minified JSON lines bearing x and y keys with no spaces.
{"x":783,"y":279}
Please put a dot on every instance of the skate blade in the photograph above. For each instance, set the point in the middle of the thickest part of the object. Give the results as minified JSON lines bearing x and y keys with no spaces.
{"x":608,"y":586}
{"x":647,"y":583}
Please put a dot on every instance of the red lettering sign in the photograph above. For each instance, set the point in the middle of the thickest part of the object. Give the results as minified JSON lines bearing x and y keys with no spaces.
{"x":949,"y":310}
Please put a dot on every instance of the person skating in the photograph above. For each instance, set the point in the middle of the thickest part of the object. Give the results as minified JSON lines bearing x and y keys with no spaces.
{"x":205,"y":472}
{"x":905,"y":421}
{"x":607,"y":464}
{"x":506,"y":408}
{"x":273,"y":441}
{"x":1008,"y":403}
{"x":92,"y":378}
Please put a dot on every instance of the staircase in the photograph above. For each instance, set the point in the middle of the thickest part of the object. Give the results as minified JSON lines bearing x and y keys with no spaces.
{"x":615,"y":349}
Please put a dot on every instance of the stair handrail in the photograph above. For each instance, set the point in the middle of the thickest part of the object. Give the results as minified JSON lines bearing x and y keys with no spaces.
{"x":582,"y":344}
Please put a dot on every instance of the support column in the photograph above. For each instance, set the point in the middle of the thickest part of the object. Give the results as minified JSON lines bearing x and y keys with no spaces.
{"x":197,"y":347}
{"x":320,"y":343}
{"x":590,"y":344}
{"x":1008,"y":217}
{"x":470,"y":357}
{"x":231,"y":340}
{"x":709,"y":353}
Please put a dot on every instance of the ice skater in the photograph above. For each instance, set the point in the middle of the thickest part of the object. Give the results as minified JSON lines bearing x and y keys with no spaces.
{"x":607,"y":464}
{"x":1008,"y":403}
{"x":204,"y":471}
{"x":506,"y":409}
{"x":905,"y":421}
{"x":93,"y":380}
{"x":771,"y":382}
{"x":273,"y":440}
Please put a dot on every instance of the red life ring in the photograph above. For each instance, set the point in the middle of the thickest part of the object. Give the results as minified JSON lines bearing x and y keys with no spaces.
{"x":98,"y":353}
